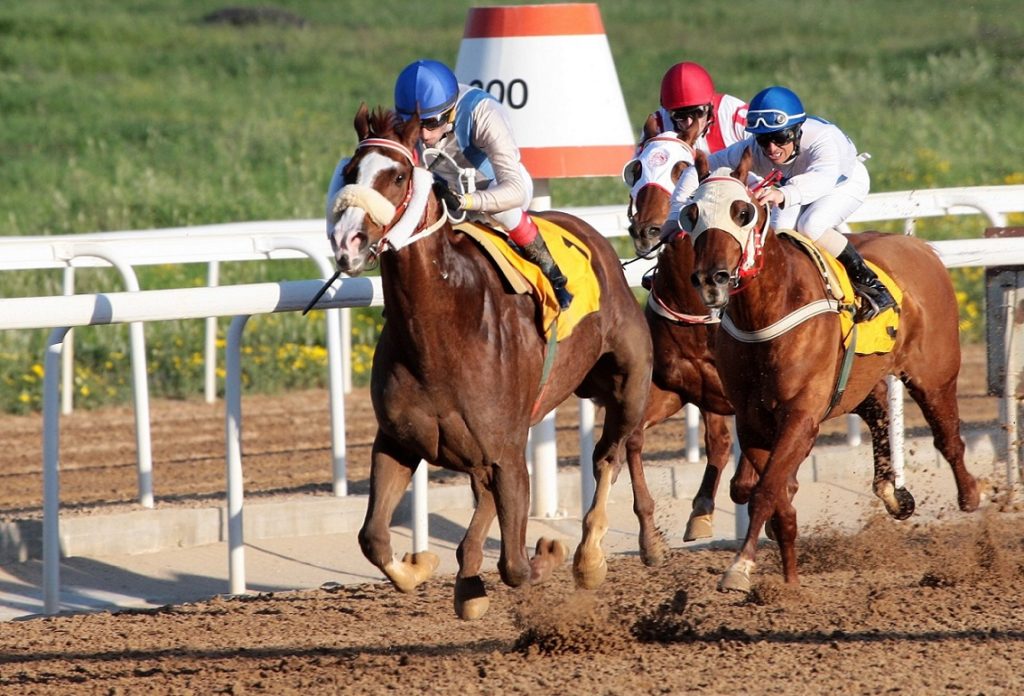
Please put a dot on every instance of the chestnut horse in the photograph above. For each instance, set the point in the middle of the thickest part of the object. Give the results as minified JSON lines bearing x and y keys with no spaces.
{"x":459,"y":372}
{"x":784,"y":386}
{"x":681,"y":329}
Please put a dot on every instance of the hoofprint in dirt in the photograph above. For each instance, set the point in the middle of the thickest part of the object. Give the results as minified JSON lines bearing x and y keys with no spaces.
{"x":896,"y":608}
{"x":286,"y":446}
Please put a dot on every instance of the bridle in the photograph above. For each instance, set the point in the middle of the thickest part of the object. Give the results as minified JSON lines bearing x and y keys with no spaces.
{"x":714,"y":212}
{"x":408,"y":224}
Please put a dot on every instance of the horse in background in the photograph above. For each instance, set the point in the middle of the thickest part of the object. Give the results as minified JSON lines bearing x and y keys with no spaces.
{"x":682,"y":331}
{"x":460,"y":374}
{"x":784,"y":384}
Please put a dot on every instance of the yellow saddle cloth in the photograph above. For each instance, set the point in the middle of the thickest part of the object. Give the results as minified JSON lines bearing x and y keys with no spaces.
{"x":877,"y":335}
{"x":572,"y":257}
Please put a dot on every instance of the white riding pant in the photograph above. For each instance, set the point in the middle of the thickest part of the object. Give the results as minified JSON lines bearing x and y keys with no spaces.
{"x":829,"y":211}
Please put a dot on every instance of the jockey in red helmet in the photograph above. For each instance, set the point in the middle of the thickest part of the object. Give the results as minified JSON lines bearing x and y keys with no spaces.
{"x":688,"y":94}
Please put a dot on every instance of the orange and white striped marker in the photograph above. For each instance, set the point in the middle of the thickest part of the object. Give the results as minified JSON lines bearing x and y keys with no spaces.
{"x":551,"y":65}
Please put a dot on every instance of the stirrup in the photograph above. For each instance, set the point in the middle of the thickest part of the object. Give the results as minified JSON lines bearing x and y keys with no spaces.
{"x":874,"y":301}
{"x":562,"y":296}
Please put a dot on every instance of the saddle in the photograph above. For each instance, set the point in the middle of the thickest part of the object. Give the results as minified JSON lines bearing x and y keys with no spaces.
{"x":523,"y":277}
{"x":876,"y":335}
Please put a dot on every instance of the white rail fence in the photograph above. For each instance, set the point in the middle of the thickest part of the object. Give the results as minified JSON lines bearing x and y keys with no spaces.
{"x":297,"y":239}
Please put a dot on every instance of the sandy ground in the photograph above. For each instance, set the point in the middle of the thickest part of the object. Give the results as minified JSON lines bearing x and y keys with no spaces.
{"x":894,"y":609}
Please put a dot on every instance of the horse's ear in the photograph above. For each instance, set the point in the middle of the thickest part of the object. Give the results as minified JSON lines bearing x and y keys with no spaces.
{"x":701,"y":162}
{"x":362,"y":121}
{"x":650,"y":128}
{"x":744,"y":168}
{"x":409,"y":131}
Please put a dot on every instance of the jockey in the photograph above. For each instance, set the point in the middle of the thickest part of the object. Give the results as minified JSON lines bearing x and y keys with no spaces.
{"x":687,"y":93}
{"x":473,"y":129}
{"x":823,"y":182}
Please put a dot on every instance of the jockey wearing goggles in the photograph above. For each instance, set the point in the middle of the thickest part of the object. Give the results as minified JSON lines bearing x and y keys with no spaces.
{"x":688,"y":96}
{"x":474,"y":131}
{"x":824,"y":181}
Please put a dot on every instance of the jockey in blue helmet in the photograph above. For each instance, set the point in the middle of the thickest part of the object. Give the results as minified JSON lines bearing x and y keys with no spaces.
{"x":824,"y":181}
{"x":474,"y":130}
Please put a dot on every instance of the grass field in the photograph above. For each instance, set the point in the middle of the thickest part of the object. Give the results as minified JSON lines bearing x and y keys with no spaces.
{"x":133,"y":115}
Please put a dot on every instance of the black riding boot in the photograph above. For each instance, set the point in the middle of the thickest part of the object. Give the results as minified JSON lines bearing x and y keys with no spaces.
{"x":537,"y":252}
{"x":866,"y":284}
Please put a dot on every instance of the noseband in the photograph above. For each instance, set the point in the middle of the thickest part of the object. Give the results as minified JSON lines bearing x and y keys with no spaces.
{"x":714,"y":199}
{"x":406,"y":224}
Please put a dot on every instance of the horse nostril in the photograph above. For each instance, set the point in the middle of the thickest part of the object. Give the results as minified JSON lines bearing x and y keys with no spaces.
{"x":720,"y":277}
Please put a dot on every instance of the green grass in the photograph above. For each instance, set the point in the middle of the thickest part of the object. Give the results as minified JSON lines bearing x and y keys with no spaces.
{"x":134,"y":115}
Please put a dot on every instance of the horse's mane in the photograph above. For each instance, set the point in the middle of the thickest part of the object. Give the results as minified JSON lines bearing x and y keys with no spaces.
{"x":382,"y":122}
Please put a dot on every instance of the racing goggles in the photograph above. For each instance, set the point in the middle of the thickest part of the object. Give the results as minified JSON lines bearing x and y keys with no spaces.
{"x":770,"y":118}
{"x":435,"y":122}
{"x":690,"y":112}
{"x":780,"y":137}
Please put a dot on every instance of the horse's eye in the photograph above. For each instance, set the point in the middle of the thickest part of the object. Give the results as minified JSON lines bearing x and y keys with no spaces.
{"x":400,"y":178}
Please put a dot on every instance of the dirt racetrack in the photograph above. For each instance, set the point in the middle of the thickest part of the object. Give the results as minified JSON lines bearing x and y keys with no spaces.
{"x":898,"y":608}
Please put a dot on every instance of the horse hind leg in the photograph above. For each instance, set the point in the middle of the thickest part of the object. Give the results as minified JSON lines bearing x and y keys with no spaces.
{"x":874,"y":410}
{"x":718,"y":446}
{"x":939,"y":406}
{"x":391,"y":473}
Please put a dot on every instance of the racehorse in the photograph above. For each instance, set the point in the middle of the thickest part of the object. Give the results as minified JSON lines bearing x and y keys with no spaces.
{"x":459,"y":371}
{"x":682,"y":330}
{"x":783,"y":384}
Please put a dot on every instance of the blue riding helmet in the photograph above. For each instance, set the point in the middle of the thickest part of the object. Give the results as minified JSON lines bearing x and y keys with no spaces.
{"x":773,"y":109}
{"x":427,"y":85}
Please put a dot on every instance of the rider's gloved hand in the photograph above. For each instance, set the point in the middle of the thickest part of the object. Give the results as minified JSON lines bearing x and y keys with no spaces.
{"x":453,"y":201}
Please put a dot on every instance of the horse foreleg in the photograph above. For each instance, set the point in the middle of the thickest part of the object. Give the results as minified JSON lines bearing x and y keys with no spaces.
{"x":390,"y":473}
{"x":717,"y":445}
{"x":939,"y":407}
{"x":471,"y":600}
{"x":653,"y":547}
{"x":771,"y":500}
{"x":661,"y":404}
{"x":874,"y":410}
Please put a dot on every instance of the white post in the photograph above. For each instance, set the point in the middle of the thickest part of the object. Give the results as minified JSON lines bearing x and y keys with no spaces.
{"x":140,"y":378}
{"x":51,"y":472}
{"x":853,"y":431}
{"x":896,"y":434}
{"x":545,"y":468}
{"x":692,"y":433}
{"x":1011,"y":384}
{"x":588,"y":484}
{"x":67,"y":393}
{"x":233,"y":437}
{"x":420,"y":509}
{"x":210,"y":348}
{"x":742,"y":513}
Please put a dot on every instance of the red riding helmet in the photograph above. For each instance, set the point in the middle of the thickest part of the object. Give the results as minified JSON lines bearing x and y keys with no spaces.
{"x":686,"y":84}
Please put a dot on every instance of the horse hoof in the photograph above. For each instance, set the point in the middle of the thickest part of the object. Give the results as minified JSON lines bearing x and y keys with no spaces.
{"x":413,"y":569}
{"x":970,"y":499}
{"x":589,"y":574}
{"x":737,"y":577}
{"x":548,"y":555}
{"x":698,"y":527}
{"x":906,"y":504}
{"x":653,"y":550}
{"x":471,"y":601}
